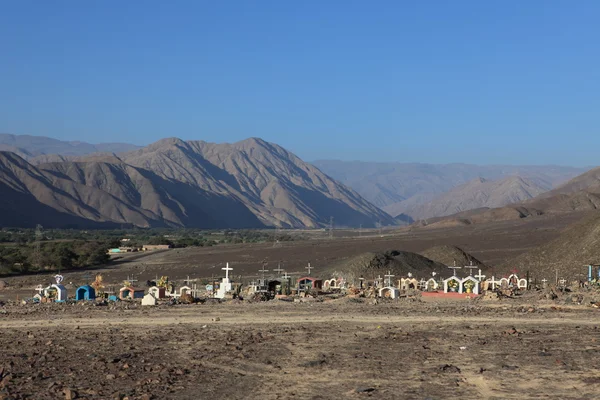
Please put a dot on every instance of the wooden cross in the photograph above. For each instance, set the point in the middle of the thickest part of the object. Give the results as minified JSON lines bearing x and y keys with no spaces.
{"x":389,"y":277}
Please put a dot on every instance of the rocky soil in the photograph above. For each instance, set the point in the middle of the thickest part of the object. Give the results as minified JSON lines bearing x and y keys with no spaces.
{"x":346,"y":348}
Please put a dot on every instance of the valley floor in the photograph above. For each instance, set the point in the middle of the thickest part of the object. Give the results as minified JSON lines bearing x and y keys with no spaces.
{"x":344,"y":348}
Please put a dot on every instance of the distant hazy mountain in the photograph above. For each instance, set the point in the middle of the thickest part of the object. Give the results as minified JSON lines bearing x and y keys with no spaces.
{"x":385,"y":184}
{"x":580,"y":194}
{"x":28,"y":146}
{"x":474,"y":194}
{"x":176,"y":183}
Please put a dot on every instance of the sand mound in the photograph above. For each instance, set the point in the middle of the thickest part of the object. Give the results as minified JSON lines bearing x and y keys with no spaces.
{"x":3,"y":285}
{"x":576,"y":247}
{"x":447,"y":255}
{"x":371,"y":265}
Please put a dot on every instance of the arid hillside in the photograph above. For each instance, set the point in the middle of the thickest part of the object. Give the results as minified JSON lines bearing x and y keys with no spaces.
{"x":249,"y":184}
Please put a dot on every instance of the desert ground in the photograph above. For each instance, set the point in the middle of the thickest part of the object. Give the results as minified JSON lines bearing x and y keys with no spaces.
{"x":327,"y":347}
{"x":339,"y":348}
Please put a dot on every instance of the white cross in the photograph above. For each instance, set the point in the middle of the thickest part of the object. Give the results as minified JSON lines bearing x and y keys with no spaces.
{"x":544,"y":281}
{"x":389,"y":277}
{"x":562,"y":281}
{"x":187,"y":281}
{"x":227,"y":269}
{"x":454,"y":268}
{"x":131,"y":280}
{"x":480,"y":277}
{"x":285,"y":276}
{"x":278,"y":269}
{"x":422,"y":283}
{"x":470,"y":267}
{"x":308,"y":268}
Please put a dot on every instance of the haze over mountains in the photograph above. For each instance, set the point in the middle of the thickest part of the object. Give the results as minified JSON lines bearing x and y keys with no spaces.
{"x":433,"y":190}
{"x":474,"y":194}
{"x":249,"y":184}
{"x":28,"y":146}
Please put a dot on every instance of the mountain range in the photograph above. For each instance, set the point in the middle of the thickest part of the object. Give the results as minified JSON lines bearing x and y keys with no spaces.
{"x":475,"y":194}
{"x":249,"y":184}
{"x":433,"y":190}
{"x":28,"y":146}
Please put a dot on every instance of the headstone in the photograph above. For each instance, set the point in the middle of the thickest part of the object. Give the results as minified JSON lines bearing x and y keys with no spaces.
{"x":149,"y":300}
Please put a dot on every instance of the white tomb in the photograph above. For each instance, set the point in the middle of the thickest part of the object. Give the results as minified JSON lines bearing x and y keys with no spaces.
{"x":453,"y":284}
{"x":431,"y":285}
{"x":522,"y":283}
{"x":389,"y":292}
{"x":59,"y":290}
{"x":225,"y":285}
{"x":469,"y":285}
{"x":149,"y":300}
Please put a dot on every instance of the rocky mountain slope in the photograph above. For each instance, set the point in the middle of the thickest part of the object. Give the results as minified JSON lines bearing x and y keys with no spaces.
{"x":475,"y":194}
{"x":385,"y":184}
{"x":176,"y":183}
{"x":581,"y":194}
{"x":28,"y":146}
{"x":578,"y":246}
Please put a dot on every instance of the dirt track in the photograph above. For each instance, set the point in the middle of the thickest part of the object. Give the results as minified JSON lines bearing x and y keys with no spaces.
{"x":279,"y":350}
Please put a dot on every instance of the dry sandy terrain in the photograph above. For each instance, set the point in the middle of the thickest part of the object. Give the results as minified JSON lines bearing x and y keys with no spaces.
{"x":344,"y":348}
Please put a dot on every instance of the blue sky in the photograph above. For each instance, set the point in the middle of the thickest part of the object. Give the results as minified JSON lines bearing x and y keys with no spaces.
{"x":430,"y":81}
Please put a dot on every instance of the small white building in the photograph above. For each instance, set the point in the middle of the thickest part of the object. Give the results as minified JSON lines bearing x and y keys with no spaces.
{"x":469,"y":285}
{"x":56,"y":291}
{"x":431,"y":285}
{"x":157,"y":292}
{"x":389,"y":292}
{"x":453,"y":284}
{"x":149,"y":300}
{"x":185,"y":290}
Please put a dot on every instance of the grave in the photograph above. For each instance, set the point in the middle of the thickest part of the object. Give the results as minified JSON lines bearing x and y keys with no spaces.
{"x":452,"y":284}
{"x":56,"y":291}
{"x":330,"y":284}
{"x":85,"y":292}
{"x":469,"y":285}
{"x":157,"y":292}
{"x":389,"y":291}
{"x":431,"y":285}
{"x":149,"y":300}
{"x":225,"y":285}
{"x":130,"y":292}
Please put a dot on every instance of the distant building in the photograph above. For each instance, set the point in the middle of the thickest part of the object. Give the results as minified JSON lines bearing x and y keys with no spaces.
{"x":150,"y":247}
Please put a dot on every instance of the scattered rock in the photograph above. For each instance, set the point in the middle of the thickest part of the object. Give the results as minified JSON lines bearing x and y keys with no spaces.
{"x":365,"y":390}
{"x":450,"y":368}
